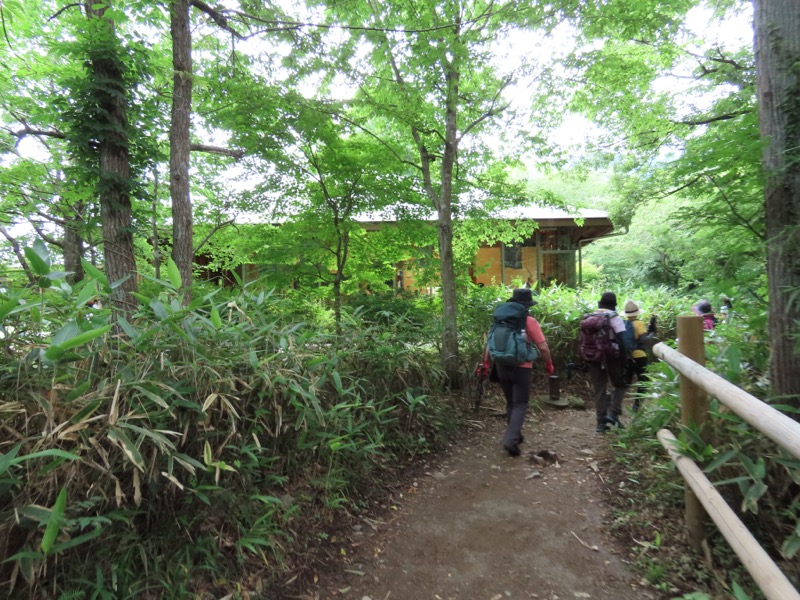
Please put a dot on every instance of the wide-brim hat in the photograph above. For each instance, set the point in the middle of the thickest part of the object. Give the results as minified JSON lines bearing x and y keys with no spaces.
{"x":632,"y":309}
{"x":523,"y":296}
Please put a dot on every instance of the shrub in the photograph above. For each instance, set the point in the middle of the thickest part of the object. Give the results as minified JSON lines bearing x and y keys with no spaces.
{"x":133,"y":437}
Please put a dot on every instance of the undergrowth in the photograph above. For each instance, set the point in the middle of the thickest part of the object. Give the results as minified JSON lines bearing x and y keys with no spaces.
{"x":190,"y":448}
{"x":757,"y":478}
{"x":204,"y":447}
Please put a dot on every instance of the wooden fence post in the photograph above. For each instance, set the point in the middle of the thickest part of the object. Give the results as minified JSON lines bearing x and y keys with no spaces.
{"x":694,"y":412}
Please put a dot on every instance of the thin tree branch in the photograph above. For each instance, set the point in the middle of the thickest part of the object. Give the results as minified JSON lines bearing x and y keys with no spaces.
{"x":493,"y":111}
{"x":725,"y":117}
{"x":65,"y":8}
{"x":5,"y":30}
{"x":734,"y":211}
{"x":217,"y":16}
{"x":18,"y":253}
{"x":217,"y":227}
{"x":237,"y":154}
{"x":688,"y":184}
{"x":380,"y":141}
{"x":51,"y":218}
{"x":720,"y":58}
{"x":47,"y":238}
{"x":27,"y":130}
{"x":281,"y":25}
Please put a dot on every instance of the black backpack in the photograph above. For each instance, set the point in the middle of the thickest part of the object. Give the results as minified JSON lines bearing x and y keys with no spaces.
{"x":507,"y":343}
{"x":598,"y":341}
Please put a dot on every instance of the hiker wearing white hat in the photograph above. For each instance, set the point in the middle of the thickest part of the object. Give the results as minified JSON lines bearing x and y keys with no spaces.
{"x":635,"y":335}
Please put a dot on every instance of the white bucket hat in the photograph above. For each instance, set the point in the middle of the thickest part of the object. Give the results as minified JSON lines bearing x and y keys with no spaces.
{"x":632,"y":309}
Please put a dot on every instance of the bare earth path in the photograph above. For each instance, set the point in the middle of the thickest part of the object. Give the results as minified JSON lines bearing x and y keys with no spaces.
{"x":480,"y":525}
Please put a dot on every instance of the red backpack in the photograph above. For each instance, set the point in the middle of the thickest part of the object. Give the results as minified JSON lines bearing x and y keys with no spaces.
{"x":598,"y":340}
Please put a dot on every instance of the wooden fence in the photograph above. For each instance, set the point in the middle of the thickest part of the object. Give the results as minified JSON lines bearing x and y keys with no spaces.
{"x":702,"y":499}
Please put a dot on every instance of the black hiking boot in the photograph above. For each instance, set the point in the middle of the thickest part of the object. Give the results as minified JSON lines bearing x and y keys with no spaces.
{"x":513,"y":450}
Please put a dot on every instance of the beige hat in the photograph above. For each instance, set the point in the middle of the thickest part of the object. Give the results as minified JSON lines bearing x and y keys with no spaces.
{"x":632,"y":309}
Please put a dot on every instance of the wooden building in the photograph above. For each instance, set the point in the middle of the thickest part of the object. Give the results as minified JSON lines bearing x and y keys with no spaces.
{"x":551,"y":254}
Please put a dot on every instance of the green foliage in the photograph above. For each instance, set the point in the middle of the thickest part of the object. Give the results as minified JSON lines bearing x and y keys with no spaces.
{"x":186,"y":410}
{"x":756,"y":478}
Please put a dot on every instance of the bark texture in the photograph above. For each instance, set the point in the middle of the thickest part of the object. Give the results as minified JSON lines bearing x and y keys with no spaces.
{"x":73,"y":248}
{"x":777,"y":44}
{"x":114,"y":175}
{"x":182,"y":243}
{"x":450,"y":354}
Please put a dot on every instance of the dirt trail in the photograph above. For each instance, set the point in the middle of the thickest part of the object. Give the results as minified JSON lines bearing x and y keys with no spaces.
{"x":480,"y":525}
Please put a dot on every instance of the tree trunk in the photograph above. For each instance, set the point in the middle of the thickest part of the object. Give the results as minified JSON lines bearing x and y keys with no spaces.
{"x":73,"y":248}
{"x":114,"y":176}
{"x":442,"y":201}
{"x":342,"y":243}
{"x":777,"y":25}
{"x":450,"y":358}
{"x":156,"y":243}
{"x":182,"y":243}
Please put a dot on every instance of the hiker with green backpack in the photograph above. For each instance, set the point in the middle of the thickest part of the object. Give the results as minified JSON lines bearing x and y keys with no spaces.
{"x":515,"y":341}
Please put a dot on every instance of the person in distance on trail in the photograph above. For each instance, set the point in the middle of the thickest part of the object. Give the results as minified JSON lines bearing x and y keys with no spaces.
{"x":608,"y":407}
{"x":703,"y":309}
{"x":635,"y":334}
{"x":515,"y":380}
{"x":726,"y":309}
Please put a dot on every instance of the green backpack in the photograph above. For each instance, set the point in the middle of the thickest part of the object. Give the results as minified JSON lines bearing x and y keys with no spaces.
{"x":508,"y":344}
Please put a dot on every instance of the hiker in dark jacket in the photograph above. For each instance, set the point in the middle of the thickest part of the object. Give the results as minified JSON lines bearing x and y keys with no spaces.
{"x":515,"y":381}
{"x":703,"y":309}
{"x":608,"y":406}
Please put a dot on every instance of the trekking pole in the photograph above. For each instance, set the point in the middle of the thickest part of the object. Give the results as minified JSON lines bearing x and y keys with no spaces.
{"x":478,"y":392}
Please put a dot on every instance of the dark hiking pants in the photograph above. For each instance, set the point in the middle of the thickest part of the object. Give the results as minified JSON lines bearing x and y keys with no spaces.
{"x":516,"y":385}
{"x":608,"y":405}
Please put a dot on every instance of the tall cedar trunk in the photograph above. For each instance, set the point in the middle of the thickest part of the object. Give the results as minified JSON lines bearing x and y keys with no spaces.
{"x":114,"y":176}
{"x":777,"y":25}
{"x":182,"y":248}
{"x":450,"y":358}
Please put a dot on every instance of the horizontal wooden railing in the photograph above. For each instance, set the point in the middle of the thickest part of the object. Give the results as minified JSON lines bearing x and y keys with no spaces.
{"x":702,"y":500}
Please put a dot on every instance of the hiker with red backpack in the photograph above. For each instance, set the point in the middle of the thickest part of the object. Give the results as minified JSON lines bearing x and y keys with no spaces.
{"x":603,"y":350}
{"x":515,"y":342}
